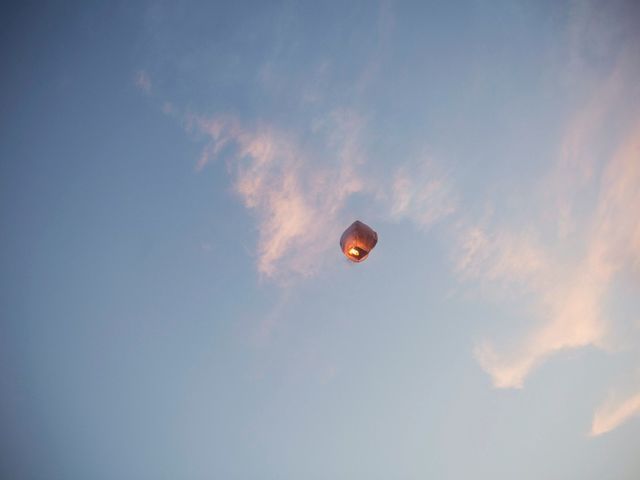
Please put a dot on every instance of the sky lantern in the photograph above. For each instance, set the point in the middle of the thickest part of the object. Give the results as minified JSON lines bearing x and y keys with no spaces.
{"x":357,"y":241}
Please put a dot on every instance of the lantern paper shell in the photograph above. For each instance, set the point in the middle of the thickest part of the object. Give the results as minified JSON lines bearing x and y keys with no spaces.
{"x":357,"y":241}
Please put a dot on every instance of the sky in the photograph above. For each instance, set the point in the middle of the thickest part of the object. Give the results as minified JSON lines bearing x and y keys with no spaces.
{"x":174,"y":180}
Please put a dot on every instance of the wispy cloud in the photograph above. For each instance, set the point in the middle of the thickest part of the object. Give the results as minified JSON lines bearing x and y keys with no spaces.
{"x":568,"y":271}
{"x":421,"y":193}
{"x":578,"y":160}
{"x":614,"y":413}
{"x":500,"y":256}
{"x":296,"y":196}
{"x":142,"y":80}
{"x":570,"y":293}
{"x":562,"y":263}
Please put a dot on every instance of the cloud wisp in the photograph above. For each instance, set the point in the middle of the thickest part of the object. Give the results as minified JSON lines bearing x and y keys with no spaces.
{"x":297,"y":197}
{"x":299,"y":194}
{"x":569,"y":289}
{"x":142,"y":80}
{"x":614,"y":413}
{"x":421,"y":193}
{"x":584,"y":235}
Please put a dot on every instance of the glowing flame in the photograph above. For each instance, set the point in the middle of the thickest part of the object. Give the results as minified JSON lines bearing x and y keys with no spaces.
{"x":354,"y":252}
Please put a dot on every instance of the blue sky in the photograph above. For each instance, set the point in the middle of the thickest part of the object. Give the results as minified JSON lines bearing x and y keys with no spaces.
{"x":175,"y":177}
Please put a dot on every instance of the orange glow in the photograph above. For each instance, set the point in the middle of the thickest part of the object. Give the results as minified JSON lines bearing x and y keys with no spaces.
{"x":354,"y":252}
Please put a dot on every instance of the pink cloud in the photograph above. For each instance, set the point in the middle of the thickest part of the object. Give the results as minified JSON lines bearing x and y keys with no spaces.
{"x":614,"y":413}
{"x":568,"y":276}
{"x":296,"y":200}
